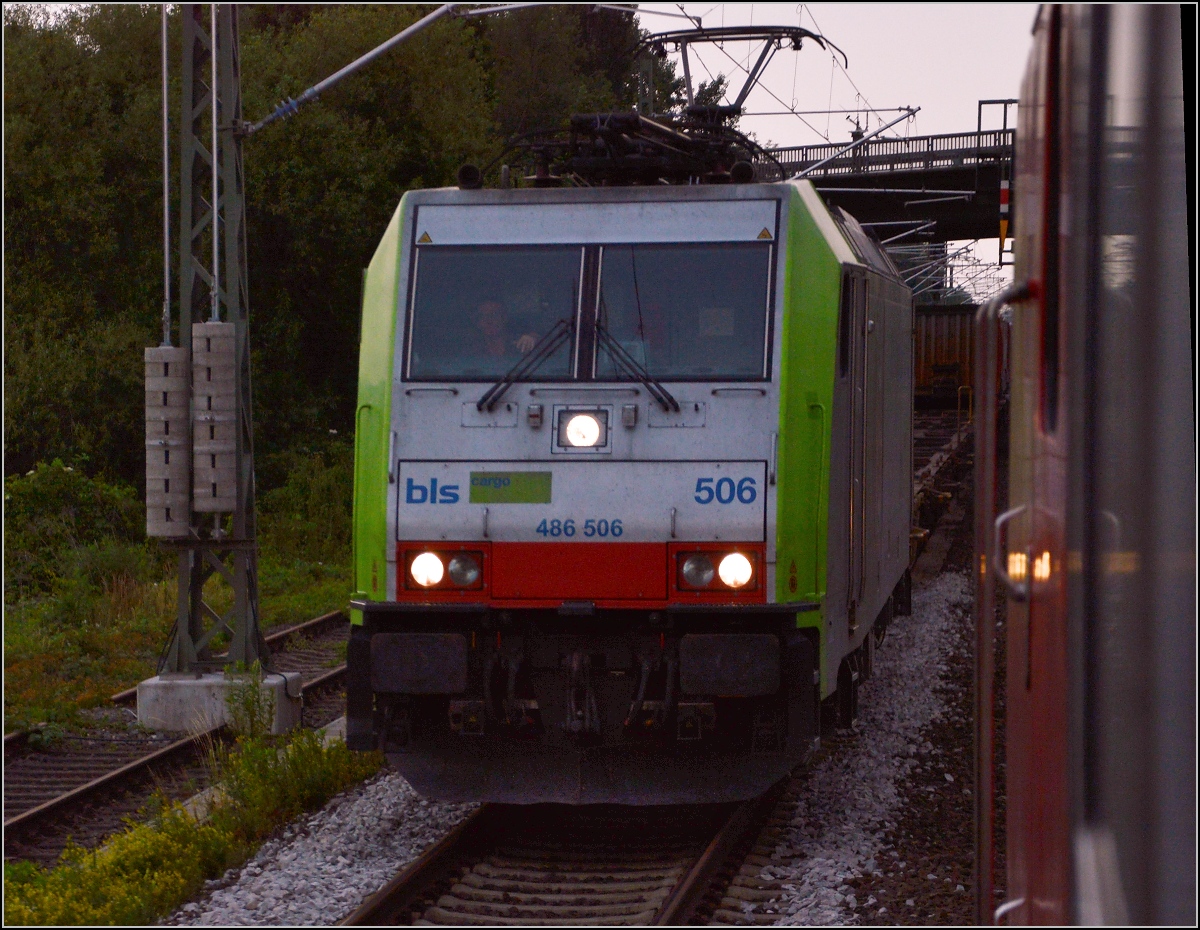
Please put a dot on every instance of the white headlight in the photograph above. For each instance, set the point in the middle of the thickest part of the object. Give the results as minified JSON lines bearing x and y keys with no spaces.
{"x":426,"y":569}
{"x":735,"y":570}
{"x":583,"y":430}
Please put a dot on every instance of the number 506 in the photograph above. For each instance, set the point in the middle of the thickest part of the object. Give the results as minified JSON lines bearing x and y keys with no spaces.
{"x":723,"y":490}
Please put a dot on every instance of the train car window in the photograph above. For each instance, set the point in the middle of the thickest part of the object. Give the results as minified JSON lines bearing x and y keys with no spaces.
{"x":477,"y":310}
{"x":686,"y":311}
{"x":1052,"y":207}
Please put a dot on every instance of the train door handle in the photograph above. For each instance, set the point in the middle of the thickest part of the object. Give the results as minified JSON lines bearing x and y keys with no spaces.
{"x":1006,"y":908}
{"x":1017,"y":590}
{"x":1115,"y":522}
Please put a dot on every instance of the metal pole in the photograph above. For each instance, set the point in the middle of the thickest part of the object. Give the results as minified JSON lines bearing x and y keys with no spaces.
{"x":889,"y":190}
{"x":913,"y":272}
{"x":216,"y":215}
{"x":205,"y":555}
{"x":911,"y":111}
{"x":289,"y":106}
{"x":909,"y":232}
{"x":768,"y":53}
{"x":687,"y":72}
{"x":166,"y":312}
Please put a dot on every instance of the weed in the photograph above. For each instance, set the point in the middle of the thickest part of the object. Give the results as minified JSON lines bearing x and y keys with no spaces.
{"x":251,"y":707}
{"x":339,"y":654}
{"x":45,"y":736}
{"x":148,"y":870}
{"x":297,"y":641}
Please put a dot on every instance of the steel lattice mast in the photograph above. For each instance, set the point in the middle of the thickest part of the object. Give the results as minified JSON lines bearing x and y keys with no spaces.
{"x":214,"y":306}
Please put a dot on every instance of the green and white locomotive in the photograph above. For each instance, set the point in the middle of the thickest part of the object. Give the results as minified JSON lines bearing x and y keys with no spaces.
{"x":632,"y":487}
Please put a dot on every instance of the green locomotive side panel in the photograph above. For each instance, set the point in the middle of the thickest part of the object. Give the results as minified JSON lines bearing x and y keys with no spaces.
{"x":812,"y":290}
{"x":373,"y":415}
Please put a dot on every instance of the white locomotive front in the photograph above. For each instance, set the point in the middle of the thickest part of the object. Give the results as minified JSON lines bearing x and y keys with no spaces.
{"x":567,"y":531}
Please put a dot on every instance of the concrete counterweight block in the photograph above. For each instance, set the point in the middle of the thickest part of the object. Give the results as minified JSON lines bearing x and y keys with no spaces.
{"x":194,"y":703}
{"x":168,"y":461}
{"x":214,"y":424}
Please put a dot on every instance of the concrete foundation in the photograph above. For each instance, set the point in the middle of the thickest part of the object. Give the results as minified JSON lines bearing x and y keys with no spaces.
{"x":194,"y":703}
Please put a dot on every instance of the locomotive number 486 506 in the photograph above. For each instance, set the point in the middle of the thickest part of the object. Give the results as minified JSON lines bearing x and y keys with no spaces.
{"x":591,"y":527}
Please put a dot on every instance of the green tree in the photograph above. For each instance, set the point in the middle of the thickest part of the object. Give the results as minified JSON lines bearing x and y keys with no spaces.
{"x":82,"y":249}
{"x":322,"y":186}
{"x":548,"y":63}
{"x":83,"y":270}
{"x":83,"y":277}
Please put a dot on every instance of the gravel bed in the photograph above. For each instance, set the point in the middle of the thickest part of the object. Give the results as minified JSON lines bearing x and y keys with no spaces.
{"x":843,"y":828}
{"x":321,"y":867}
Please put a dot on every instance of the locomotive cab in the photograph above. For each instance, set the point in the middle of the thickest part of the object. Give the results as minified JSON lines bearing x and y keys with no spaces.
{"x":632,"y":485}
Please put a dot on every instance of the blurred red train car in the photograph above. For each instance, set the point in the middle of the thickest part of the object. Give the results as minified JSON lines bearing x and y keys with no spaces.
{"x":1093,"y":557}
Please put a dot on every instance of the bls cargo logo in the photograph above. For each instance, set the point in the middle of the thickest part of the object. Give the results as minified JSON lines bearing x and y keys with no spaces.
{"x":416,"y":493}
{"x":487,"y":487}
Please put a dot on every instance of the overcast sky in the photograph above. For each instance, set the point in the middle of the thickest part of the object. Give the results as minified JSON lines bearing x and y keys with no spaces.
{"x":941,"y":57}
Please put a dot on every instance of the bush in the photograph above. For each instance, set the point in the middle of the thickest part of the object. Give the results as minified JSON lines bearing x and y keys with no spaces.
{"x":59,"y":523}
{"x":142,"y":874}
{"x":150,"y":869}
{"x":308,"y":517}
{"x":90,"y":602}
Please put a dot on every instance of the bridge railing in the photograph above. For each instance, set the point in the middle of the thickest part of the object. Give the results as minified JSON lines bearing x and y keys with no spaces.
{"x":918,"y":153}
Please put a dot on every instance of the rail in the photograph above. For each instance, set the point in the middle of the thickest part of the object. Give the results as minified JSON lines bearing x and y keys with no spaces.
{"x":648,"y":866}
{"x":184,"y":747}
{"x":33,"y":825}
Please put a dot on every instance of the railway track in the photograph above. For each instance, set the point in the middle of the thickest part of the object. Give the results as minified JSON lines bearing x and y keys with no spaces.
{"x":940,"y":439}
{"x":83,"y":787}
{"x":553,"y":865}
{"x":937,"y":435}
{"x":606,"y":865}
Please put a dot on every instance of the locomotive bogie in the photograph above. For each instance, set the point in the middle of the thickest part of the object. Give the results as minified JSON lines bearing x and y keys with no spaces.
{"x":620,"y":517}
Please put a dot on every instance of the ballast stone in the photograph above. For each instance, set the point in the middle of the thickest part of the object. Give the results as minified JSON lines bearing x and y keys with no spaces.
{"x":195,"y":703}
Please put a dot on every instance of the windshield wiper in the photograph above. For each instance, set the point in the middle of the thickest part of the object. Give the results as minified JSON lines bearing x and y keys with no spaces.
{"x":559,"y":333}
{"x":631,"y":367}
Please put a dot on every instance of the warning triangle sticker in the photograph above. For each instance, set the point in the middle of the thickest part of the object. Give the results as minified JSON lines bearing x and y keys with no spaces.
{"x":765,"y":234}
{"x":424,"y":239}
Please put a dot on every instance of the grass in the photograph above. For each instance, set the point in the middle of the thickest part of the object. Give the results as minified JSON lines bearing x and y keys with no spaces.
{"x":145,"y":872}
{"x":68,"y":651}
{"x":89,"y":602}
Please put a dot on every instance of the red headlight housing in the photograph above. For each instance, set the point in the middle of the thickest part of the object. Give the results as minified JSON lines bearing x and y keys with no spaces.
{"x":436,"y":569}
{"x":717,"y":570}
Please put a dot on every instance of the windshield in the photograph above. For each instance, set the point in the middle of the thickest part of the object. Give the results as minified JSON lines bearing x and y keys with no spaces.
{"x":478,"y":310}
{"x":686,"y":311}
